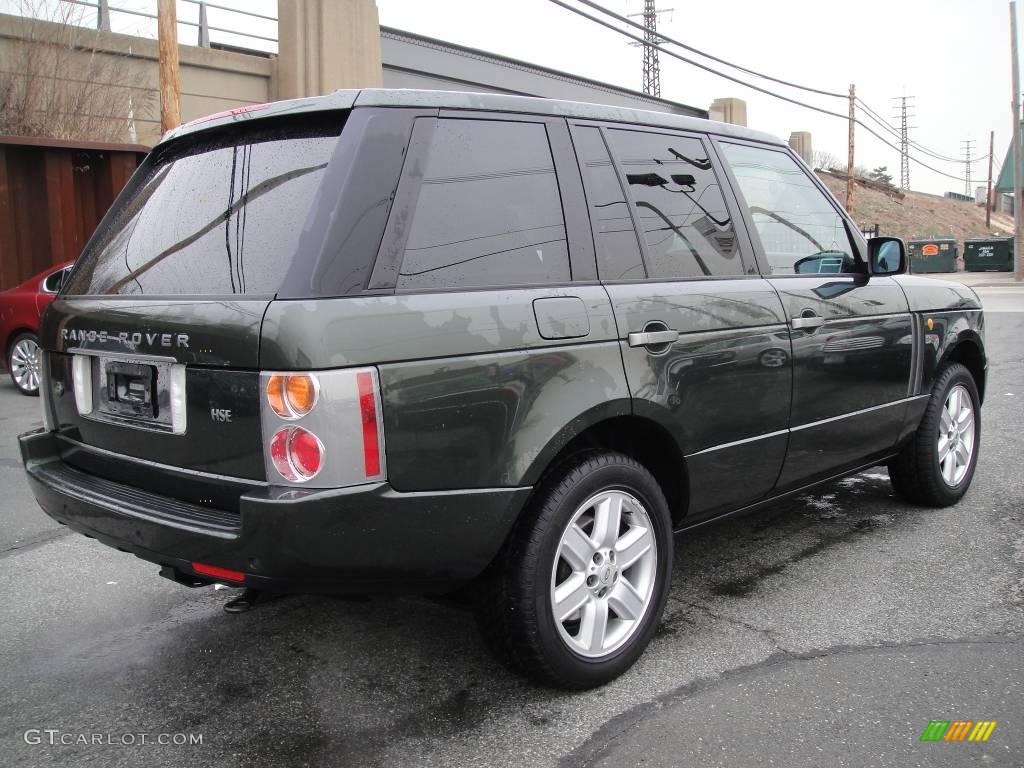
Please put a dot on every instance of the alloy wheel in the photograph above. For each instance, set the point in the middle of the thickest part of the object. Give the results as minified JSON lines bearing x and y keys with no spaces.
{"x":602,"y":581}
{"x":25,"y":365}
{"x":956,"y":436}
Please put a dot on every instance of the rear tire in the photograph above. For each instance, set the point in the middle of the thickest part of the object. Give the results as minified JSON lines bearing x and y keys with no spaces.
{"x":24,"y":361}
{"x":936,"y":467}
{"x":579,"y":589}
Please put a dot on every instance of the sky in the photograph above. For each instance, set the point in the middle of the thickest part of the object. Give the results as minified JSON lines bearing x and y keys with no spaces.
{"x":953,"y":56}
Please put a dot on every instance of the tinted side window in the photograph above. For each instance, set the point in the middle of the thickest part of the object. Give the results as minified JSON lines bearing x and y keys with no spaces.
{"x":489,"y":211}
{"x":801,"y":232}
{"x":685,"y":222}
{"x":618,"y":252}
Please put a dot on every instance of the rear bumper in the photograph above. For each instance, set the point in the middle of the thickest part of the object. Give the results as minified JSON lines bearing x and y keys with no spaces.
{"x":364,"y":539}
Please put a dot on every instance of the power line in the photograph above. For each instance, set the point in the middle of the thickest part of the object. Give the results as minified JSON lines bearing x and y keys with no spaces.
{"x":697,"y":64}
{"x":665,"y":38}
{"x":736,"y":80}
{"x":871,"y":113}
{"x":897,"y":133}
{"x":614,"y":15}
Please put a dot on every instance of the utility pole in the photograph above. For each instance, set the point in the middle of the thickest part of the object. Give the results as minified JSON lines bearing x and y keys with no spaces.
{"x":904,"y":103}
{"x":170,"y":88}
{"x":849,"y":158}
{"x":988,"y":196}
{"x":1018,"y":220}
{"x":967,"y":147}
{"x":103,"y":15}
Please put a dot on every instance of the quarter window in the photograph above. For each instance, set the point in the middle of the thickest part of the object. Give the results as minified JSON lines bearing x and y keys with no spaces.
{"x":489,"y":212}
{"x":801,"y":232}
{"x":679,"y":205}
{"x":618,"y":252}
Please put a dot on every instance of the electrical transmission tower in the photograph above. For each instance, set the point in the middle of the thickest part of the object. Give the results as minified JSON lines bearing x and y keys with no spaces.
{"x":652,"y":68}
{"x":904,"y":103}
{"x":966,"y":147}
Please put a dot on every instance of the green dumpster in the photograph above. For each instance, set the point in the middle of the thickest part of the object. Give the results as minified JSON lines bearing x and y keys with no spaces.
{"x":988,"y":254}
{"x":932,"y":254}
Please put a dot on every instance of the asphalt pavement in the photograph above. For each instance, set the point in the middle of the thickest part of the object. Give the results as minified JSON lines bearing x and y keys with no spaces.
{"x":828,"y":630}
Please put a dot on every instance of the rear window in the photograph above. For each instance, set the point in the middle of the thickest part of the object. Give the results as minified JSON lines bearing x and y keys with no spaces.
{"x":219,"y":215}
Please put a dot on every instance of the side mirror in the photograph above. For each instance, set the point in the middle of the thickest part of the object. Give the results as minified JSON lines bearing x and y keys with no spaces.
{"x":887,"y":256}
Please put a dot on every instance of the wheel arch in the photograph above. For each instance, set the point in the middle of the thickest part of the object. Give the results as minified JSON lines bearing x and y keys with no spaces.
{"x":640,"y":438}
{"x":968,"y":350}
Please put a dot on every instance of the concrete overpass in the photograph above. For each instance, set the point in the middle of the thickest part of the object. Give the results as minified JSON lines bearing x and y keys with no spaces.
{"x":324,"y":45}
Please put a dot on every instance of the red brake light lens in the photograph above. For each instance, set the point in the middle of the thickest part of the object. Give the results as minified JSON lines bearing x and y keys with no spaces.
{"x":228,"y":112}
{"x":279,"y":455}
{"x":306,"y":453}
{"x":224,"y":574}
{"x":297,"y":454}
{"x":368,"y":411}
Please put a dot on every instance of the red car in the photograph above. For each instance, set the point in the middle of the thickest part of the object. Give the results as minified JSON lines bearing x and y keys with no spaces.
{"x":20,"y":309}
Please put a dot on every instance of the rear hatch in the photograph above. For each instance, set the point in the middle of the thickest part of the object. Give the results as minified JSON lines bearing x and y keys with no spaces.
{"x":152,"y":348}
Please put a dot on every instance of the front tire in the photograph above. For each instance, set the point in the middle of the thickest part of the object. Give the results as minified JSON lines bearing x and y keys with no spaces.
{"x":580,"y":587}
{"x":24,"y":361}
{"x":936,"y":467}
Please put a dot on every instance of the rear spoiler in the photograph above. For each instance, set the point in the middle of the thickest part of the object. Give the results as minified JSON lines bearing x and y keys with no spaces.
{"x":343,"y":99}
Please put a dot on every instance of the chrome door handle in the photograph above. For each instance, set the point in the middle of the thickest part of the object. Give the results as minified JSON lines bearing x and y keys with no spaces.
{"x":807,"y":322}
{"x":648,"y":338}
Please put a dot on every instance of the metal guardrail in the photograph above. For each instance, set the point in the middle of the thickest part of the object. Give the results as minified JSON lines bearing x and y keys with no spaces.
{"x":104,"y":10}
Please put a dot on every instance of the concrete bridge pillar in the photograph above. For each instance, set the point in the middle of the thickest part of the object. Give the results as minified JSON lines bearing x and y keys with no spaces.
{"x":729,"y":110}
{"x":325,"y":45}
{"x":800,"y":142}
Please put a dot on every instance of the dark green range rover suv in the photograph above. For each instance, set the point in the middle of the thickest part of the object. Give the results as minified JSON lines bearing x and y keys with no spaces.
{"x":400,"y":340}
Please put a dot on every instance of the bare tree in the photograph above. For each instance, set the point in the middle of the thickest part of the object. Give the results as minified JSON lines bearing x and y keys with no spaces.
{"x":827,"y":161}
{"x":57,"y":82}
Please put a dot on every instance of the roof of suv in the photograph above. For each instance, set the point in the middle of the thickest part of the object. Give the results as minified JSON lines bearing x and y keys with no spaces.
{"x":491,"y":102}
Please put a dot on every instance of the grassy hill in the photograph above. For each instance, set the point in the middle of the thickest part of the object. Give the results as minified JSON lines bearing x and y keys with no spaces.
{"x":918,"y":213}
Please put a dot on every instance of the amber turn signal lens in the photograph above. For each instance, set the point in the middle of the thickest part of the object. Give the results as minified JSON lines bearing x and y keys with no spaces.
{"x":275,"y":396}
{"x":300,"y":390}
{"x":292,"y":395}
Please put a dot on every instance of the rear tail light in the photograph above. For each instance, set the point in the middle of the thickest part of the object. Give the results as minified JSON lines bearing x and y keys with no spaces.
{"x":44,"y":392}
{"x":292,"y":395}
{"x":368,"y":415}
{"x":178,"y":405}
{"x":81,"y":375}
{"x":340,"y":441}
{"x":297,"y":454}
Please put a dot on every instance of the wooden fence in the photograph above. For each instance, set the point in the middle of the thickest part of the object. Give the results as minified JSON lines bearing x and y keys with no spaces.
{"x":53,"y":193}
